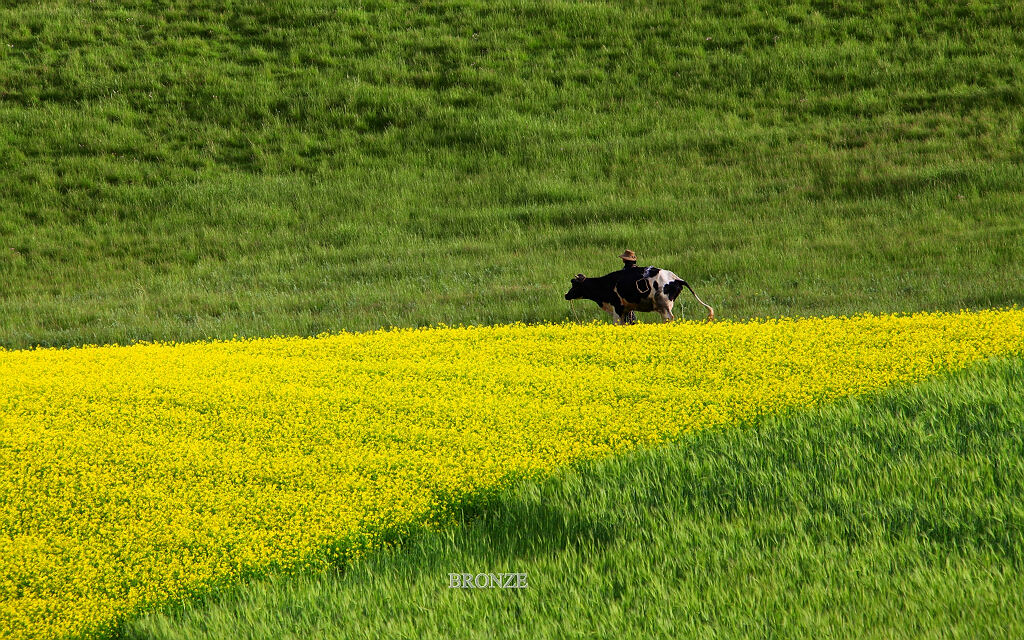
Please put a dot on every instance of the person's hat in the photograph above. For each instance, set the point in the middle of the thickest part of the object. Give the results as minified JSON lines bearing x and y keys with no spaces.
{"x":628,"y":255}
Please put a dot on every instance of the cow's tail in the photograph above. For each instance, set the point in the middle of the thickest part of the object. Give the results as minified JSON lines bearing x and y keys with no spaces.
{"x":673,"y":288}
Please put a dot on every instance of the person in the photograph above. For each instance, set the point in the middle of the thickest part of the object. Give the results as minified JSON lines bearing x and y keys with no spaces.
{"x":628,"y":262}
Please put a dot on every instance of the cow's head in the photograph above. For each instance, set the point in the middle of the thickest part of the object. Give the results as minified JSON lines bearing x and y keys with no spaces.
{"x":576,"y":290}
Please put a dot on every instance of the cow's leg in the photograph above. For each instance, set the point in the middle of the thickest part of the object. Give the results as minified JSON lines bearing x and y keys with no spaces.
{"x":614,"y":310}
{"x":665,"y":310}
{"x":620,"y":314}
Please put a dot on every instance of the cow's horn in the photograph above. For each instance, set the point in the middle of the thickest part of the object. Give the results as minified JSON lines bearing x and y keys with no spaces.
{"x":579,"y":278}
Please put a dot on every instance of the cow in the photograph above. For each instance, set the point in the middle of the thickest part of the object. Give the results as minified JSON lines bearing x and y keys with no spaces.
{"x":620,"y":293}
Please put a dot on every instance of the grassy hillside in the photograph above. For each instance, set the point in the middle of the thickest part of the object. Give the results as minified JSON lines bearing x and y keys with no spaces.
{"x":204,"y":169}
{"x":892,"y":516}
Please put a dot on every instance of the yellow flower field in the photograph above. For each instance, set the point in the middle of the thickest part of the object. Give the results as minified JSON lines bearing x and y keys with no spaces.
{"x":134,"y":475}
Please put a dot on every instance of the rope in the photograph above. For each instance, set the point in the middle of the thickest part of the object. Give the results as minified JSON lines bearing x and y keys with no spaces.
{"x":572,"y":307}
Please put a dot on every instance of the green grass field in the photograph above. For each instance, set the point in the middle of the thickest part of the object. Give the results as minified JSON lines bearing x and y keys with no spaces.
{"x":179,"y":171}
{"x":895,"y":516}
{"x":184,"y":171}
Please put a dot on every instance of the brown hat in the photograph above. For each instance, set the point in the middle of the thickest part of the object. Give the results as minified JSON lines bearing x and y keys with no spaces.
{"x":628,"y":255}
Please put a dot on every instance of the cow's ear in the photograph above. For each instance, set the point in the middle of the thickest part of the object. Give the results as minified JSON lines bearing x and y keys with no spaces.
{"x":579,"y":278}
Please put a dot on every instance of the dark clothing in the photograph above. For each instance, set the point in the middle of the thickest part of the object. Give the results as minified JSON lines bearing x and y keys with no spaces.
{"x":630,"y":317}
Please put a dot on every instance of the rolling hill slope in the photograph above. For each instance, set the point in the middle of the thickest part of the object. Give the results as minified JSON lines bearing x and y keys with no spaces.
{"x":201,"y":169}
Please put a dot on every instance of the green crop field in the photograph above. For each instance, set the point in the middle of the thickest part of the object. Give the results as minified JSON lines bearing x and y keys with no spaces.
{"x":192,"y":170}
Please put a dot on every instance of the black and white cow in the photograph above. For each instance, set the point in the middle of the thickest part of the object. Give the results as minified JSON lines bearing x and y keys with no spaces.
{"x":620,"y":293}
